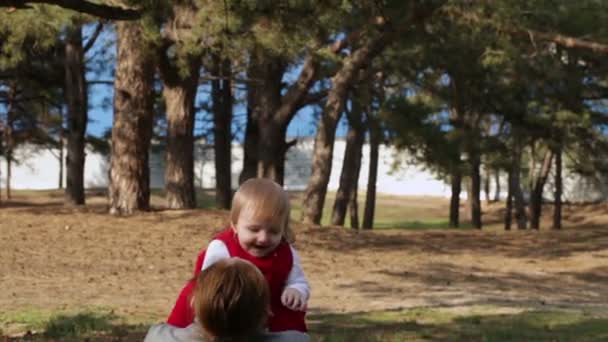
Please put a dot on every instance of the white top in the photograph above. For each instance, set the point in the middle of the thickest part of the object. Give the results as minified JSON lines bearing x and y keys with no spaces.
{"x":193,"y":333}
{"x":217,"y":250}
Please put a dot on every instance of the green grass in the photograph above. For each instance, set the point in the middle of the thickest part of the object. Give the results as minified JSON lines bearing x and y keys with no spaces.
{"x":391,"y":212}
{"x":476,"y":323}
{"x":205,"y":199}
{"x":69,"y":325}
{"x":419,"y":225}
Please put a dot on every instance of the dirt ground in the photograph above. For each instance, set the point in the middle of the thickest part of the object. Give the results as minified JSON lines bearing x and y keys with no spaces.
{"x":53,"y":258}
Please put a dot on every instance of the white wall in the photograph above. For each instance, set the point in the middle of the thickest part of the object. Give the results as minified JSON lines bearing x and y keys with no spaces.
{"x":40,"y":170}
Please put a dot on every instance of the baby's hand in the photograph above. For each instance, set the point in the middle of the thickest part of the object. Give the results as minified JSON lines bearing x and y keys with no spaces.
{"x":293,"y":299}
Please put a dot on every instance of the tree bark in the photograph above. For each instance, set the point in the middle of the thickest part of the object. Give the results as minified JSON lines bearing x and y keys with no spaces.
{"x":250,"y":146}
{"x":264,"y":98}
{"x":60,"y":159}
{"x":352,"y":160}
{"x":222,"y":133}
{"x":509,"y":201}
{"x":518,"y":197}
{"x":314,"y":197}
{"x":536,"y":196}
{"x":129,"y":189}
{"x":8,"y":137}
{"x":9,"y":172}
{"x":468,"y":205}
{"x":271,"y":138}
{"x":375,"y":137}
{"x":88,"y":7}
{"x":353,"y":205}
{"x":456,"y":180}
{"x":76,"y":95}
{"x":180,"y":86}
{"x":179,"y":94}
{"x":486,"y":184}
{"x":497,"y":185}
{"x":475,"y":161}
{"x":274,"y":112}
{"x":557,"y":212}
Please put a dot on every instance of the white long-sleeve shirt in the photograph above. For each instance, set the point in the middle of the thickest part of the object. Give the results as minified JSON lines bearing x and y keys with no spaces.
{"x":217,"y":250}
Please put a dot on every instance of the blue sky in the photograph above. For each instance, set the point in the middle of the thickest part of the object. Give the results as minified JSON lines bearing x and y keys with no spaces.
{"x":100,"y":95}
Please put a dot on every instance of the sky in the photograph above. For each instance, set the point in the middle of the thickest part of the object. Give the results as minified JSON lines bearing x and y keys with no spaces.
{"x":100,"y":96}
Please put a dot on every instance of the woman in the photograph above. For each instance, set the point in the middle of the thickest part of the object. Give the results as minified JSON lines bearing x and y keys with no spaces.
{"x":231,"y":300}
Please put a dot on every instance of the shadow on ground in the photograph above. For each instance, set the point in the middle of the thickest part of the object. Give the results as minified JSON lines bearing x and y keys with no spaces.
{"x":88,"y":326}
{"x":417,"y":324}
{"x":430,"y":325}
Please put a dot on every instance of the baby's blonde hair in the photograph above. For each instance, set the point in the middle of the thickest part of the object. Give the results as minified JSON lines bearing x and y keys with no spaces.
{"x":266,"y":200}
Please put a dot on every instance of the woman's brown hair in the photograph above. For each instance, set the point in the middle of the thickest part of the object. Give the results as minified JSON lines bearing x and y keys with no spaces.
{"x":266,"y":200}
{"x":231,"y":300}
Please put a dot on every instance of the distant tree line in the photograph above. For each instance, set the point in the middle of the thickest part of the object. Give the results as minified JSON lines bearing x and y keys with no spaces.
{"x":472,"y":89}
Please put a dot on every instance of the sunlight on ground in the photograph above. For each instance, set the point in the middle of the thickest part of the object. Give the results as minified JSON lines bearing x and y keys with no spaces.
{"x":476,"y":323}
{"x":418,"y":280}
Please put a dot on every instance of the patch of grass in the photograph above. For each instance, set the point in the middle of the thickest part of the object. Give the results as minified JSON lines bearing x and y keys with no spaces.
{"x":23,"y":320}
{"x":71,"y":325}
{"x":79,"y":324}
{"x":205,"y":199}
{"x":391,"y":211}
{"x":420,"y":225}
{"x":475,"y":323}
{"x":472,"y":324}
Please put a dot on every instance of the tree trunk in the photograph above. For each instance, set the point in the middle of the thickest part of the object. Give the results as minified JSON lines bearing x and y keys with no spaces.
{"x":277,"y":111}
{"x":222,"y":133}
{"x":536,"y":197}
{"x":352,"y":161}
{"x":475,"y":188}
{"x":468,"y":205}
{"x":456,"y":179}
{"x":262,"y":139}
{"x":9,"y":171}
{"x":129,"y":189}
{"x":180,"y":85}
{"x":8,"y":137}
{"x":518,"y":197}
{"x":314,"y":197}
{"x":76,"y":95}
{"x":375,"y":137}
{"x":179,"y":94}
{"x":250,"y":146}
{"x":557,"y":212}
{"x":497,"y":185}
{"x":60,"y":158}
{"x":486,"y":184}
{"x":353,"y":205}
{"x":509,"y":201}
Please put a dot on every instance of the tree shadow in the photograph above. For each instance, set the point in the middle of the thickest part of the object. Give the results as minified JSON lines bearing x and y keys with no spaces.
{"x":448,"y":284}
{"x":87,"y":326}
{"x":434,"y":326}
{"x":546,"y":245}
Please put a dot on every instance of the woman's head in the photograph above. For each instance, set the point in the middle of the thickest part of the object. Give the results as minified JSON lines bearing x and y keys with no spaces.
{"x":260,"y":216}
{"x":231,"y":299}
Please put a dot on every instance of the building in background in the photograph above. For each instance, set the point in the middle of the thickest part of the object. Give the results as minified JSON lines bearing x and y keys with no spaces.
{"x":40,"y":169}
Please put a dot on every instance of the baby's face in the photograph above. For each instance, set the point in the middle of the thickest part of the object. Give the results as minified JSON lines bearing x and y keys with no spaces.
{"x":258,"y":236}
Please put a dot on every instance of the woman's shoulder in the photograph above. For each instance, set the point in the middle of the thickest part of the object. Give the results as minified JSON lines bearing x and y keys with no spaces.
{"x":169,"y":333}
{"x":284,"y":336}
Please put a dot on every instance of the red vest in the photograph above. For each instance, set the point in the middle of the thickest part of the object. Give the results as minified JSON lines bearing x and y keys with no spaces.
{"x":275,"y":267}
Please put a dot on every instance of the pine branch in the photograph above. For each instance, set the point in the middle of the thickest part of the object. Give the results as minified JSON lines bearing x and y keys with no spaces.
{"x":94,"y":37}
{"x":99,"y":10}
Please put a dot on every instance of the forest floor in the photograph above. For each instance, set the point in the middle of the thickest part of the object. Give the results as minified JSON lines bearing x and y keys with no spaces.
{"x":72,"y":271}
